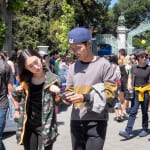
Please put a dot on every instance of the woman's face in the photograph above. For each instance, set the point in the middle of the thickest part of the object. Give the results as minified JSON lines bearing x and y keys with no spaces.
{"x":142,"y":59}
{"x":34,"y":64}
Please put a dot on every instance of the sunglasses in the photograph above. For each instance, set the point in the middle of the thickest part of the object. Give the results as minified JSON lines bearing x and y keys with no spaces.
{"x":143,"y":56}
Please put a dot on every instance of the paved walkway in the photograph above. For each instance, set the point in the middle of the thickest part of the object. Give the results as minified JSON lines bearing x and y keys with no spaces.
{"x":113,"y":140}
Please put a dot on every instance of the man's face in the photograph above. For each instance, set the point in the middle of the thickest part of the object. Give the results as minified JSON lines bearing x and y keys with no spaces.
{"x":81,"y":50}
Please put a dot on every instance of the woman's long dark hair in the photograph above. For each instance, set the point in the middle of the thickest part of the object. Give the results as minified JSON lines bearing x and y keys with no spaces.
{"x":24,"y":74}
{"x":114,"y":59}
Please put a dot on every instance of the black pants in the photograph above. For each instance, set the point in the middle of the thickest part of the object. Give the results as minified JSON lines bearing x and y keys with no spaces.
{"x":88,"y":135}
{"x":33,"y":139}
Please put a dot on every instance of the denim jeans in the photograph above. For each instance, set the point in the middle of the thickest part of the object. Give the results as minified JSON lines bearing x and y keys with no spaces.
{"x":2,"y":126}
{"x":134,"y":109}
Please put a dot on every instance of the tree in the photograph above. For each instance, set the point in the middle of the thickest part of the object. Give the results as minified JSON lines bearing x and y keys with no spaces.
{"x":135,"y":11}
{"x":65,"y":23}
{"x":31,"y":25}
{"x":34,"y":24}
{"x":2,"y":33}
{"x":90,"y":13}
{"x":39,"y":21}
{"x":7,"y":9}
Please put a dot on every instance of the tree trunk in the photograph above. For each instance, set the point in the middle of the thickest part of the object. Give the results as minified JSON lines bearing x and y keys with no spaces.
{"x":6,"y":16}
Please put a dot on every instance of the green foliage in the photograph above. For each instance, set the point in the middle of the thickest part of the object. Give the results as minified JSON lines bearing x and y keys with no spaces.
{"x":32,"y":32}
{"x":45,"y":22}
{"x":15,"y":5}
{"x":91,"y":13}
{"x":135,"y":11}
{"x":148,"y":48}
{"x":137,"y":42}
{"x":2,"y":32}
{"x":65,"y":23}
{"x":110,"y":23}
{"x":31,"y":25}
{"x":138,"y":38}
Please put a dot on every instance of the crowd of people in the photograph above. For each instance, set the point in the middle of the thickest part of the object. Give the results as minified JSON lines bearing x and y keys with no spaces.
{"x":34,"y":81}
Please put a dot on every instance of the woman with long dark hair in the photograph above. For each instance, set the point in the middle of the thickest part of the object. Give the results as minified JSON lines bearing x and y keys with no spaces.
{"x":34,"y":106}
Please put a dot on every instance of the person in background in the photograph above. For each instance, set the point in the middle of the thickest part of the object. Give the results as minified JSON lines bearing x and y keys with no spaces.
{"x":6,"y":86}
{"x":124,"y":69}
{"x":14,"y":58}
{"x":148,"y":62}
{"x":57,"y":60}
{"x":46,"y":60}
{"x":65,"y":66}
{"x":19,"y":52}
{"x":133,"y":60}
{"x":52,"y":63}
{"x":88,"y":117}
{"x":116,"y":102}
{"x":34,"y":103}
{"x":148,"y":57}
{"x":10,"y":63}
{"x":138,"y":81}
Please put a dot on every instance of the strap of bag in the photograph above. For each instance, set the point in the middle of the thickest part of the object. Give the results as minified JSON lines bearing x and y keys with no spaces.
{"x":133,"y":77}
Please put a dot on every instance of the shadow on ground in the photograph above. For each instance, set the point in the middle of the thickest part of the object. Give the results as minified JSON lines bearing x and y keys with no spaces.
{"x":8,"y":134}
{"x":63,"y":107}
{"x":134,"y":134}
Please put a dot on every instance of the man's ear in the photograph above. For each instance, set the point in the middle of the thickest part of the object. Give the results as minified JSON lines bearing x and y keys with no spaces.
{"x":89,"y":44}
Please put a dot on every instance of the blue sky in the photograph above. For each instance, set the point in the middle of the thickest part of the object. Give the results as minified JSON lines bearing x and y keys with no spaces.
{"x":113,"y":2}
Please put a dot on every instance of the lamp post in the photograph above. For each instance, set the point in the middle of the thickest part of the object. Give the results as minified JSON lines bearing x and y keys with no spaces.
{"x":43,"y":50}
{"x":121,"y":33}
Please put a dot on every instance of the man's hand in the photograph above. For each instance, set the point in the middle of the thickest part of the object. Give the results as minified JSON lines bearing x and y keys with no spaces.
{"x":72,"y":98}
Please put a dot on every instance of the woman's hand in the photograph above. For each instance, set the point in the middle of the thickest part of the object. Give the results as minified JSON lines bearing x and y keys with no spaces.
{"x":19,"y":88}
{"x":55,"y":89}
{"x":130,"y":87}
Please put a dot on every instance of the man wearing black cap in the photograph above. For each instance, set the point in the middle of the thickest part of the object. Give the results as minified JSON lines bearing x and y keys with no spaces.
{"x":88,"y":81}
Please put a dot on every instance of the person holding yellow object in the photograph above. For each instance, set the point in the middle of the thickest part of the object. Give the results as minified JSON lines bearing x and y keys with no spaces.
{"x":138,"y":81}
